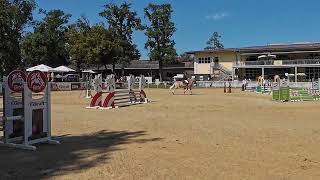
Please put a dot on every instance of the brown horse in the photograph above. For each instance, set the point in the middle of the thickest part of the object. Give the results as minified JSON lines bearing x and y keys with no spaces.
{"x":186,"y":85}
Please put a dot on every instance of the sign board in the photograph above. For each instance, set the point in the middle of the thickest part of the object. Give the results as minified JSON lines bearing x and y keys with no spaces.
{"x":78,"y":86}
{"x":149,"y":80}
{"x":61,"y":86}
{"x":275,"y":86}
{"x":37,"y":81}
{"x":277,"y":62}
{"x":157,"y":82}
{"x":15,"y":80}
{"x":315,"y":85}
{"x":284,"y":83}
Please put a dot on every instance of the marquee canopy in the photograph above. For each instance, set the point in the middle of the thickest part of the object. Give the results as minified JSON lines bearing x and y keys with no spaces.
{"x":63,"y":69}
{"x":42,"y":68}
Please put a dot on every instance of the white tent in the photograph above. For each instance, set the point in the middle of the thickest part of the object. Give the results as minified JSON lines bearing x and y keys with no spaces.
{"x":42,"y":68}
{"x":89,"y":71}
{"x":63,"y":69}
{"x":265,"y":56}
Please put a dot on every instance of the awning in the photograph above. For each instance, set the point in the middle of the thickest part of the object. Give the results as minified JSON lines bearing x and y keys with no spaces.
{"x":266,"y":56}
{"x":63,"y":69}
{"x":89,"y":71}
{"x":42,"y":68}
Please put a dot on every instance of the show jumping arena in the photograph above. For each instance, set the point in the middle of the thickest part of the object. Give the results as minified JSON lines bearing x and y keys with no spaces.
{"x":207,"y":135}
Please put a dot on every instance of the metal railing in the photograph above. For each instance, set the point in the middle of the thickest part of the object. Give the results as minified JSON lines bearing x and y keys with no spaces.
{"x":220,"y":84}
{"x":279,"y":62}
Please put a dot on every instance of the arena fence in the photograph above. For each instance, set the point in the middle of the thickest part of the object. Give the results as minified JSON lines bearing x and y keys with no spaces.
{"x":72,"y":86}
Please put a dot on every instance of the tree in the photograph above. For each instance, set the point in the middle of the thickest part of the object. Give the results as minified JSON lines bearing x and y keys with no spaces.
{"x":159,"y":35}
{"x":214,"y":42}
{"x":47,"y":44}
{"x":185,"y":58}
{"x":14,"y":16}
{"x":100,"y":47}
{"x":76,"y":38}
{"x":122,"y":22}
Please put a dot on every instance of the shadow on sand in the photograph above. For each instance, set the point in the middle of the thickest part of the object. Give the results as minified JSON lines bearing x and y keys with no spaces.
{"x":187,"y":94}
{"x":75,"y":153}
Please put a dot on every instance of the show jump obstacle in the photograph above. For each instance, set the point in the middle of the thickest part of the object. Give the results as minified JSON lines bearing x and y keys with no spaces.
{"x":262,"y":86}
{"x":282,"y":92}
{"x":27,"y":110}
{"x":117,"y":97}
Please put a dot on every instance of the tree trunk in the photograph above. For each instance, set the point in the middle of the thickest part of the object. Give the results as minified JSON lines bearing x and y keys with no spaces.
{"x":122,"y":70}
{"x":160,"y":70}
{"x":106,"y":69}
{"x":114,"y":68}
{"x":79,"y":68}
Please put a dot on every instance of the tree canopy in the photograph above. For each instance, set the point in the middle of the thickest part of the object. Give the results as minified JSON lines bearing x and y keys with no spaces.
{"x":77,"y":46}
{"x":122,"y":21}
{"x":214,"y":42}
{"x":159,"y":33}
{"x":101,"y":47}
{"x":53,"y":41}
{"x":47,"y":44}
{"x":15,"y":15}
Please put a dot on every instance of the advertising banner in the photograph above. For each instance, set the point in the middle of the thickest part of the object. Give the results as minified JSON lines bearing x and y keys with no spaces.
{"x":60,"y":86}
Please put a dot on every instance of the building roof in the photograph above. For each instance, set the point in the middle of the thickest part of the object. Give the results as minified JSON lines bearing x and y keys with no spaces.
{"x":214,"y":50}
{"x":146,"y":65}
{"x":284,"y":47}
{"x":304,"y":46}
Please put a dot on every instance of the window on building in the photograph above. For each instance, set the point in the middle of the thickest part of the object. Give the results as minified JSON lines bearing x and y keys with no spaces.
{"x":312,"y":73}
{"x":205,"y":60}
{"x":208,"y":60}
{"x":252,"y":73}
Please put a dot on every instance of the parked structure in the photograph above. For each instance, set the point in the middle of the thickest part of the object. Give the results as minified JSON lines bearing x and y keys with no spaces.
{"x":296,"y":62}
{"x":148,"y":69}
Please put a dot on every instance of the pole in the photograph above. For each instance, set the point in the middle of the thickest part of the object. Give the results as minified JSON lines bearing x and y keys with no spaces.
{"x":295,"y":74}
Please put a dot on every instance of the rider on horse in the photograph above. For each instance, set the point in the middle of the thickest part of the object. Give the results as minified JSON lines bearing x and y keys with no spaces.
{"x":185,"y":79}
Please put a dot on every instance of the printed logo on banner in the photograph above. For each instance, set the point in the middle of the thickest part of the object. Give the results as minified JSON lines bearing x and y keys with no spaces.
{"x":37,"y":81}
{"x":275,"y":86}
{"x":284,"y":83}
{"x":315,"y":85}
{"x":75,"y":86}
{"x":15,"y":80}
{"x":61,"y":86}
{"x":54,"y":86}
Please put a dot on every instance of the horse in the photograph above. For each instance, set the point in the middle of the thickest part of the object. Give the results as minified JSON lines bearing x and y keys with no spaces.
{"x":186,"y":85}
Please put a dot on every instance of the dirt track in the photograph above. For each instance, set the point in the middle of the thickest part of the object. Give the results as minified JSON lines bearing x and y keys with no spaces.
{"x":208,"y":135}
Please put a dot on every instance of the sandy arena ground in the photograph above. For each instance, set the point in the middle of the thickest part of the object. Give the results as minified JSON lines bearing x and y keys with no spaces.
{"x":209,"y":135}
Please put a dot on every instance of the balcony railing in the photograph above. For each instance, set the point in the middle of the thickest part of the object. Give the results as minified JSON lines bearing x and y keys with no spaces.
{"x":279,"y":62}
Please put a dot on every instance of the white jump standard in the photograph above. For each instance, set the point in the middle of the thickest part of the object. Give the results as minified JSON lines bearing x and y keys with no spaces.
{"x":27,"y":120}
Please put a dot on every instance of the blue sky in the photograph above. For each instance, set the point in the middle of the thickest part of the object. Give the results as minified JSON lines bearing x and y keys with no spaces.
{"x":240,"y":22}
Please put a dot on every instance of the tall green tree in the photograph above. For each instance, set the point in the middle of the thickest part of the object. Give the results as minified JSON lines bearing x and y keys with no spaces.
{"x":122,"y":22}
{"x":100,"y":47}
{"x":214,"y":42}
{"x":15,"y":15}
{"x":159,"y":33}
{"x":77,"y":47}
{"x":47,"y":44}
